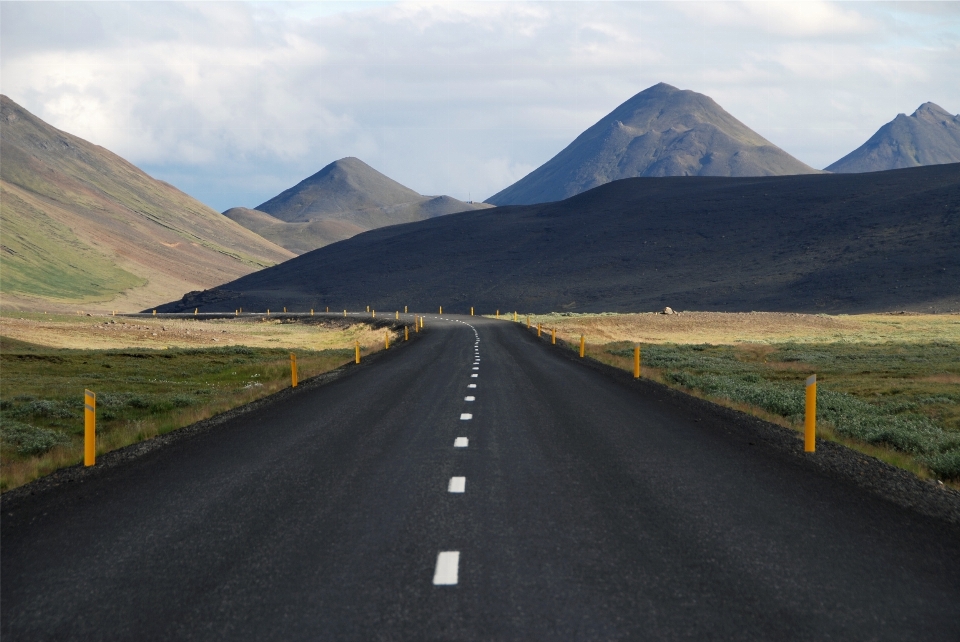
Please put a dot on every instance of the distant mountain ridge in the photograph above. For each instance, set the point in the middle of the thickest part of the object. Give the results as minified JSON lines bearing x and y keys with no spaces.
{"x":343,"y":199}
{"x":662,"y":131}
{"x":82,"y":226}
{"x":929,"y":136}
{"x":880,"y":241}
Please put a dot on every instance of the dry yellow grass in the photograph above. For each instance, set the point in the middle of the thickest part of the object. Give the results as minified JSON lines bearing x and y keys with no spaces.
{"x":720,"y":328}
{"x":104,"y":332}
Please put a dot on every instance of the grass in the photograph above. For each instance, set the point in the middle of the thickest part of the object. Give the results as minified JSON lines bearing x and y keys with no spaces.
{"x":142,"y":392}
{"x":44,"y":258}
{"x":897,"y":399}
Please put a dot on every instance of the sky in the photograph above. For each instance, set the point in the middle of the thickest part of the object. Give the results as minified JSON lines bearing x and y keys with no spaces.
{"x":235,"y":102}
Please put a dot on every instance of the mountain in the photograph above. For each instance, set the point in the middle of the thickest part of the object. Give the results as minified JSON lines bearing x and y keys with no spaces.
{"x":343,"y":199}
{"x":808,"y":243}
{"x":82,"y":226}
{"x":296,"y":237}
{"x":928,"y":136}
{"x":662,"y":131}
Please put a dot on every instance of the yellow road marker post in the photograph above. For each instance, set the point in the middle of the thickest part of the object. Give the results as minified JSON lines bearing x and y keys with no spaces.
{"x":236,"y":313}
{"x":284,"y":309}
{"x":311,"y":311}
{"x":421,"y":323}
{"x":358,"y":350}
{"x":368,"y":308}
{"x":398,"y":315}
{"x":528,"y":323}
{"x":328,"y":308}
{"x":514,"y":316}
{"x":154,"y":313}
{"x":293,"y":370}
{"x":810,"y":416}
{"x":344,"y":313}
{"x":539,"y":329}
{"x":89,"y":428}
{"x":406,"y":333}
{"x":386,"y":339}
{"x":195,"y":310}
{"x":553,"y":340}
{"x":404,"y":309}
{"x":636,"y":362}
{"x":441,"y":309}
{"x":581,"y":346}
{"x":241,"y":310}
{"x":471,"y":310}
{"x":268,"y":311}
{"x":416,"y":324}
{"x":498,"y":314}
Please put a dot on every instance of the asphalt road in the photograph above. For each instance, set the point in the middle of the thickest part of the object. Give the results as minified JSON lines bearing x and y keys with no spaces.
{"x":591,"y":510}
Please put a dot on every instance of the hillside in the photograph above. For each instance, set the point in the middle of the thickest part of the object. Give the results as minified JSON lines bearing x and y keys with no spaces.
{"x":662,"y":131}
{"x":808,"y":243}
{"x":83,"y":227}
{"x":928,"y":136}
{"x":343,"y":199}
{"x":296,"y":237}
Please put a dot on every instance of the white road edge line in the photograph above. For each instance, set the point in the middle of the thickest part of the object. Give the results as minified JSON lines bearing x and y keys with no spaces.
{"x":461,"y":442}
{"x":448,"y":566}
{"x":457,"y":485}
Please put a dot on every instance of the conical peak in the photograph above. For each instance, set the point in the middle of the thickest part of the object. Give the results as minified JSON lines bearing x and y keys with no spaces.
{"x":932,"y":112}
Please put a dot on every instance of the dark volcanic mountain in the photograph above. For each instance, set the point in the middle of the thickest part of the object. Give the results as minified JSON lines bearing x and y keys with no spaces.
{"x":928,"y":136}
{"x":662,"y":131}
{"x":828,"y":242}
{"x":343,"y":199}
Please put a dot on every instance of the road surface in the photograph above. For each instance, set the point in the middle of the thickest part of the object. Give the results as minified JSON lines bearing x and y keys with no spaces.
{"x":548,"y":502}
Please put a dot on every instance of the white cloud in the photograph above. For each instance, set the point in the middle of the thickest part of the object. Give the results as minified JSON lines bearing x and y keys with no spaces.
{"x":233,"y":102}
{"x":799,"y":18}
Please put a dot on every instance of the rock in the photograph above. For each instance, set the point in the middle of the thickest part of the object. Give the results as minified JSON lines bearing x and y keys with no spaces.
{"x":668,"y":310}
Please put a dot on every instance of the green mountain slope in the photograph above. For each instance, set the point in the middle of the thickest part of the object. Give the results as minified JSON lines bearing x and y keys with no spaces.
{"x":81,"y":224}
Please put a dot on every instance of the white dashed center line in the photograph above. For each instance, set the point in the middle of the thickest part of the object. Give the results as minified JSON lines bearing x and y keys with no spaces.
{"x":471,"y":385}
{"x":476,"y":368}
{"x":457,"y":485}
{"x":469,"y":398}
{"x":461,"y":442}
{"x":448,"y":565}
{"x":474,"y":375}
{"x":465,"y":416}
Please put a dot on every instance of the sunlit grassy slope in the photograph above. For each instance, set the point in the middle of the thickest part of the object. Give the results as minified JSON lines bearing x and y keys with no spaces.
{"x":81,"y":224}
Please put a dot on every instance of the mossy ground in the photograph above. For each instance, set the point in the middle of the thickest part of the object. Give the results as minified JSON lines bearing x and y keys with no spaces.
{"x":140,"y":393}
{"x":887,"y":384}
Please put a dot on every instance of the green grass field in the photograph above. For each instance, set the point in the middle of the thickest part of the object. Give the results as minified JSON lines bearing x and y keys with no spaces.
{"x":140,"y":393}
{"x":895,"y":395}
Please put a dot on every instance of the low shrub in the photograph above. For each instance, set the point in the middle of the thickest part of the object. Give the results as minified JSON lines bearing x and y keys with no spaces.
{"x":945,"y":464}
{"x":30,"y":440}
